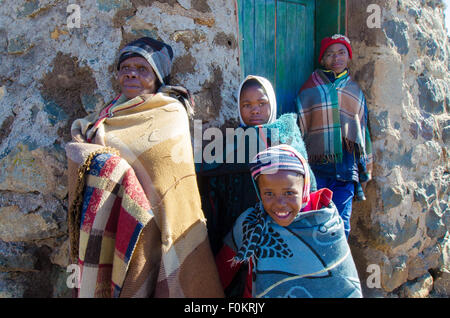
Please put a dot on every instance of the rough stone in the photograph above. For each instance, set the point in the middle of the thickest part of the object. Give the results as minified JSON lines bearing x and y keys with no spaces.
{"x":46,"y":280}
{"x":189,"y":37}
{"x":394,"y":273}
{"x":19,"y":45}
{"x":446,"y":134}
{"x":397,"y":32}
{"x":64,"y":86}
{"x":60,"y":255}
{"x":444,"y":258}
{"x":428,"y":127}
{"x":29,"y":170}
{"x":17,"y":256}
{"x":420,"y":265}
{"x":442,"y":284}
{"x":17,"y":226}
{"x":431,"y":98}
{"x":435,"y":226}
{"x":418,"y":289}
{"x":13,"y":284}
{"x":405,"y":219}
{"x":446,"y":218}
{"x":392,"y":197}
{"x":5,"y":128}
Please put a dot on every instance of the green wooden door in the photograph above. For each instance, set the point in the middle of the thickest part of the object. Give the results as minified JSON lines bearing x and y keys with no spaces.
{"x":277,"y":40}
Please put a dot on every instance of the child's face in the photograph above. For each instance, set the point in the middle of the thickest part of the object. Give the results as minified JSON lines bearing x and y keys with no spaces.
{"x":281,"y":195}
{"x":336,"y":58}
{"x":254,"y":105}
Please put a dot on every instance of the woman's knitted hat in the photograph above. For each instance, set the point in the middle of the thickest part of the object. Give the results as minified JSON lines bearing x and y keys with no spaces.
{"x":337,"y":38}
{"x":158,"y":54}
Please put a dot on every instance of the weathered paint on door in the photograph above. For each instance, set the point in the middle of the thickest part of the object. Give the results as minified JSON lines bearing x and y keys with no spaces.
{"x":278,"y":39}
{"x":330,"y":18}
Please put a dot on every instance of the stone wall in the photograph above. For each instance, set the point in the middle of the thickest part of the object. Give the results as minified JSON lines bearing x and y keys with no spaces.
{"x":51,"y":74}
{"x":403,"y":227}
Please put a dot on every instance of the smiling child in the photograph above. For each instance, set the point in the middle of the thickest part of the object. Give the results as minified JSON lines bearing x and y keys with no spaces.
{"x":293,"y":240}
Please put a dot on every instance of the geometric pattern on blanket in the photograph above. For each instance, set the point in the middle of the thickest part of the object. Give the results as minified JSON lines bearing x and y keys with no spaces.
{"x":172,"y":256}
{"x":114,"y":211}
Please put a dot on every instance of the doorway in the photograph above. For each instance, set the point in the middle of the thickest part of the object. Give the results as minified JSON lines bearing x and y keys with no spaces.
{"x":280,"y":40}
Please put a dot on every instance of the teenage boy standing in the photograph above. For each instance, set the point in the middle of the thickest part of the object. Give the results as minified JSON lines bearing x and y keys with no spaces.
{"x":333,"y":120}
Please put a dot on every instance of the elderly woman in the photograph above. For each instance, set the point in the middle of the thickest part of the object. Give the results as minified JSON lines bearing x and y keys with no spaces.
{"x":135,"y":219}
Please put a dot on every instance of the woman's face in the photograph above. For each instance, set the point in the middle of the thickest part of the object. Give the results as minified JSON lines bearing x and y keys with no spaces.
{"x":336,"y":58}
{"x":254,"y":105}
{"x":136,"y":77}
{"x":281,"y":195}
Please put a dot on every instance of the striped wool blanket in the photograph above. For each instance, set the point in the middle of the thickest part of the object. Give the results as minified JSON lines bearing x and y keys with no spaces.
{"x":112,"y":211}
{"x":331,"y":114}
{"x":172,"y":255}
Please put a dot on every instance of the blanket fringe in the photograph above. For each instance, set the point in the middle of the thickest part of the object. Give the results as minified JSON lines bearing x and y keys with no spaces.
{"x":235,"y":261}
{"x":74,"y":217}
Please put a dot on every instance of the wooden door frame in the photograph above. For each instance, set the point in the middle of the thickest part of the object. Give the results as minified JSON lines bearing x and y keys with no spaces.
{"x":337,"y":9}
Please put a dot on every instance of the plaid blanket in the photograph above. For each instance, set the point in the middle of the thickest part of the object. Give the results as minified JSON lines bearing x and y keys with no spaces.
{"x":172,"y":255}
{"x":333,"y":113}
{"x":310,"y":258}
{"x":114,"y":211}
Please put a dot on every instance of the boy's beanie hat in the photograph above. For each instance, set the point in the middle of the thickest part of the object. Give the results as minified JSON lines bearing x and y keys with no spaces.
{"x":281,"y":157}
{"x":337,"y":38}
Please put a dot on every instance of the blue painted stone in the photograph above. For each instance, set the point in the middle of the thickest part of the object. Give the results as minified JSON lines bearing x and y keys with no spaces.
{"x":108,"y":5}
{"x":28,"y":8}
{"x":54,"y":111}
{"x":397,"y":32}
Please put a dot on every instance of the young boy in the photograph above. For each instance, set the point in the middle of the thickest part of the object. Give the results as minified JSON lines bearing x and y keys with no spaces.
{"x":333,"y":120}
{"x":293,"y":240}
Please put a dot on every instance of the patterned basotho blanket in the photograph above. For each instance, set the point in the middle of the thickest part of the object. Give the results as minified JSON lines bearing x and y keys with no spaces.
{"x":112,"y":213}
{"x":171,"y":256}
{"x":333,"y":113}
